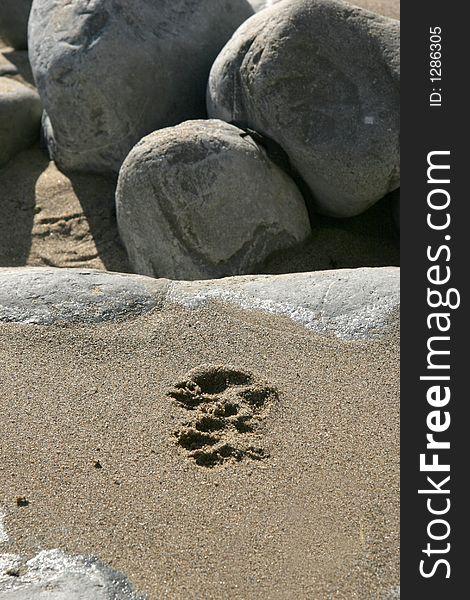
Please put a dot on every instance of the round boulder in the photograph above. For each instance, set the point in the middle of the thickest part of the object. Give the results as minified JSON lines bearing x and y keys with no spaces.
{"x":321,"y":78}
{"x":20,"y":116}
{"x":204,"y":200}
{"x":14,"y":22}
{"x":111,"y":71}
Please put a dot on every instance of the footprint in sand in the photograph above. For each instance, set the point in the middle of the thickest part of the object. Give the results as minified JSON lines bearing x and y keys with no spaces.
{"x":226,"y":407}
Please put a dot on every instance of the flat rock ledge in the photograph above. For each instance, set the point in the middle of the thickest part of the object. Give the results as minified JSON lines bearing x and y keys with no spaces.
{"x":52,"y":575}
{"x":46,"y":296}
{"x":347,"y":303}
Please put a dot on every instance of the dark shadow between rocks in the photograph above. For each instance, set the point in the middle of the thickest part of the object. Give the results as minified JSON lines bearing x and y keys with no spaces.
{"x":368,"y":240}
{"x":96,"y":194}
{"x":18,"y":205}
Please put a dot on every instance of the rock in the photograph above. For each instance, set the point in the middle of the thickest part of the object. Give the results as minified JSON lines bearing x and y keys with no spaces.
{"x":45,"y":296}
{"x":388,"y":8}
{"x":20,"y":114}
{"x":288,"y":73}
{"x":347,"y":303}
{"x":52,"y":575}
{"x":204,"y":200}
{"x":111,"y":71}
{"x":3,"y":534}
{"x":14,"y":22}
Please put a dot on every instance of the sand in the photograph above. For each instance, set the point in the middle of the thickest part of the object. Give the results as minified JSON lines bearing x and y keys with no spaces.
{"x":50,"y":219}
{"x":388,"y":8}
{"x":89,"y":439}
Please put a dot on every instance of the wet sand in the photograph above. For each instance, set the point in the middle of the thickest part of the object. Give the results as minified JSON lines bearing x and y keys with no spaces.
{"x":88,"y":438}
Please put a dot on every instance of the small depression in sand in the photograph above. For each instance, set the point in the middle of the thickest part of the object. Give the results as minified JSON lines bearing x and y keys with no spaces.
{"x":227,"y":407}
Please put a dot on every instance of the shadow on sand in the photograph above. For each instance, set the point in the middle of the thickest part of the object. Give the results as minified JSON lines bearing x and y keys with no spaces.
{"x":18,"y":205}
{"x":96,"y":196}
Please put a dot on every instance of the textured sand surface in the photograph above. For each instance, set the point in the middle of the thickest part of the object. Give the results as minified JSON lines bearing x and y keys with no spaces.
{"x":88,"y":438}
{"x":389,"y":8}
{"x":49,"y":219}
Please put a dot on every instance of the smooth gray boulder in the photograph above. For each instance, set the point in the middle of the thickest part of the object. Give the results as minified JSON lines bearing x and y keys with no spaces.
{"x":111,"y":71}
{"x":45,"y":296}
{"x":14,"y":22}
{"x":347,"y":303}
{"x":203,"y":200}
{"x":53,"y":575}
{"x":321,"y":78}
{"x":20,"y":117}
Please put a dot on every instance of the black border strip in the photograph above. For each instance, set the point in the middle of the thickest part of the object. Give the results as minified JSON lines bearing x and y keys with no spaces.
{"x":425,"y":129}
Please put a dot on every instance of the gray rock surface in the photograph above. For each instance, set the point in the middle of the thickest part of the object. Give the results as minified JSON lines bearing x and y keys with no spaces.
{"x":14,"y":22}
{"x":52,"y":575}
{"x":203,"y":200}
{"x":111,"y":71}
{"x":321,"y":78}
{"x":45,"y":296}
{"x":347,"y":303}
{"x":3,"y":533}
{"x":20,"y":115}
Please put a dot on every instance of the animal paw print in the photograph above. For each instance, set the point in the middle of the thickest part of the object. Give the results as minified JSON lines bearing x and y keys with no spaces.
{"x":226,"y":407}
